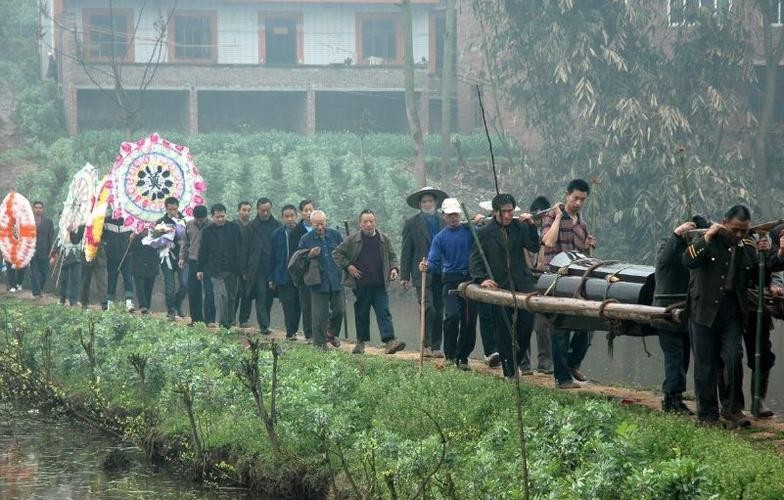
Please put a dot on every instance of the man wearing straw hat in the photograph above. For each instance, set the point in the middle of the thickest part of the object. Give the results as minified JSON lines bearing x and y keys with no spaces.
{"x":418,"y":234}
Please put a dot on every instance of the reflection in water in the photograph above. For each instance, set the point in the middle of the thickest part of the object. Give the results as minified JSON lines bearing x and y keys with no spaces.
{"x":46,"y":457}
{"x":629,"y":365}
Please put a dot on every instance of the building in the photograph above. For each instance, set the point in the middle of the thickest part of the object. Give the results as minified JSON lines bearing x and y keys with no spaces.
{"x":244,"y":65}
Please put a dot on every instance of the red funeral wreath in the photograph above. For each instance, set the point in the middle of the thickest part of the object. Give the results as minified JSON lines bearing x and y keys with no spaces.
{"x":17,"y":230}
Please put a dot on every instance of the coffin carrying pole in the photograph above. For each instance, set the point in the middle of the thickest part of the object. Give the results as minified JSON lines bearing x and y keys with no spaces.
{"x":607,"y":310}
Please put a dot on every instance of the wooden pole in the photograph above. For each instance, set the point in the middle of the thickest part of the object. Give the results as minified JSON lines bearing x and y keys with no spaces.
{"x":569,"y":306}
{"x":422,"y":317}
{"x":757,"y":375}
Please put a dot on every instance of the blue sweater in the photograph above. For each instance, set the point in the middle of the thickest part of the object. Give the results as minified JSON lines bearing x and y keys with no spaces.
{"x":330,"y":272}
{"x":450,"y":251}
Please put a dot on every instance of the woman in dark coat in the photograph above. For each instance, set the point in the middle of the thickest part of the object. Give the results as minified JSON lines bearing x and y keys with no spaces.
{"x":145,"y":264}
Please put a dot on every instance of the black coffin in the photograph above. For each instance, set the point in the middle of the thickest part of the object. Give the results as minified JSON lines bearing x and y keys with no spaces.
{"x":622,"y":282}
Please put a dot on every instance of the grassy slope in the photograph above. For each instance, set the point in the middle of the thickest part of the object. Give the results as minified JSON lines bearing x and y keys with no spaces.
{"x":365,"y":407}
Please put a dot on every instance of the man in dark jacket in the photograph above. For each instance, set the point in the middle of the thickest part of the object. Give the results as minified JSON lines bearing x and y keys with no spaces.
{"x":306,"y":207}
{"x":219,"y":258}
{"x":722,"y":265}
{"x":44,"y":234}
{"x":144,"y":263}
{"x":243,"y":304}
{"x":200,"y":298}
{"x":504,"y":240}
{"x":418,"y":234}
{"x":326,"y":296}
{"x":285,"y":241}
{"x":115,"y":242}
{"x":174,"y":279}
{"x":256,"y":253}
{"x":672,"y":283}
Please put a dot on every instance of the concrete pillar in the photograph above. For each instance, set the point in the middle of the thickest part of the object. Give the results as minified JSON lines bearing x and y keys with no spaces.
{"x":193,"y":111}
{"x":71,"y":108}
{"x":310,"y":112}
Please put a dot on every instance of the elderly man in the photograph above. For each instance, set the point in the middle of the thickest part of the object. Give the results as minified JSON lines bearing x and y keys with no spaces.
{"x":370,"y":264}
{"x":450,"y":255}
{"x":418,"y":234}
{"x":326,"y":297}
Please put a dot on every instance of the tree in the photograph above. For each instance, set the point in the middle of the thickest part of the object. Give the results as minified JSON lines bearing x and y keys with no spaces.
{"x":127,"y":95}
{"x":412,"y":103}
{"x":447,"y":80}
{"x":772,"y":51}
{"x":612,"y":91}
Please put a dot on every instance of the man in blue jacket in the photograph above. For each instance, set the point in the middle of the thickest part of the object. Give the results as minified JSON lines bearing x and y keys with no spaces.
{"x":450,"y":256}
{"x":326,"y":297}
{"x":285,"y":241}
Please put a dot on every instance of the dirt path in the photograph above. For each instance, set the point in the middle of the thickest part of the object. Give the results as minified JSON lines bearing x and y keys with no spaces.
{"x":769,"y":431}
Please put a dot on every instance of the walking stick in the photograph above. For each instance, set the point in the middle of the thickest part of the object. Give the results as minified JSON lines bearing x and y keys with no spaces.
{"x":757,"y":377}
{"x":122,"y":261}
{"x":422,"y":311}
{"x":345,"y":320}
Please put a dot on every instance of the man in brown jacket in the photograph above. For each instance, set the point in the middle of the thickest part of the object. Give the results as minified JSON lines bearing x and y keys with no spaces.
{"x":369,"y":263}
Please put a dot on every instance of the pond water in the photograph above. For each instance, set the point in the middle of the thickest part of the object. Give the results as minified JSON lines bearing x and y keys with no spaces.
{"x":48,"y":458}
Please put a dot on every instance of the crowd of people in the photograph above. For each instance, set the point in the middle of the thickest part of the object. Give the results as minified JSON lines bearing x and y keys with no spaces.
{"x":224,"y":266}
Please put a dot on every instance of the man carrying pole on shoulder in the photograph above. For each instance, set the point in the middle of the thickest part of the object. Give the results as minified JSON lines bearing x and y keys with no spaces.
{"x":564,"y":230}
{"x":722,"y":265}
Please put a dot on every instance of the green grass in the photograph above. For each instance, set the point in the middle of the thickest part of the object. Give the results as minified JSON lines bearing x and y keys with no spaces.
{"x":380,"y":416}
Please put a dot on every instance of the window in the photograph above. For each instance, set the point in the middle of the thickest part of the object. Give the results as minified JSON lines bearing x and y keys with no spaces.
{"x":686,"y":12}
{"x":379,"y":40}
{"x":107,"y":34}
{"x":194,"y":37}
{"x":280,"y":38}
{"x":777,"y":10}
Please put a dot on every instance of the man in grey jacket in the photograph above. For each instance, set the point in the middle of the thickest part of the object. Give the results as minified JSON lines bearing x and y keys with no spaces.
{"x":200,"y":298}
{"x":369,"y":263}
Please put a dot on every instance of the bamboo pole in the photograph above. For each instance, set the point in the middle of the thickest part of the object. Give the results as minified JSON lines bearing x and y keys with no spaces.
{"x":422,"y":318}
{"x":572,"y":307}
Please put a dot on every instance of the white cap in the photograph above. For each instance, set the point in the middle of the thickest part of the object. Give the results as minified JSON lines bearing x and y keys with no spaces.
{"x":451,"y":206}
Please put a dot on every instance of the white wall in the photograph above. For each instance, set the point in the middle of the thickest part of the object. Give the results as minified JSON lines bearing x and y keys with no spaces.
{"x":329,"y":29}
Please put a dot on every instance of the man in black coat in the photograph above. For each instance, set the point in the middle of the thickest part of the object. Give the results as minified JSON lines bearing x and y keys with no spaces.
{"x":116,"y":241}
{"x":418,"y":234}
{"x":503,"y":241}
{"x":145,"y":262}
{"x":219,"y":258}
{"x":722,"y":265}
{"x":39,"y":265}
{"x":255,"y":257}
{"x":672,"y":283}
{"x":306,"y":207}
